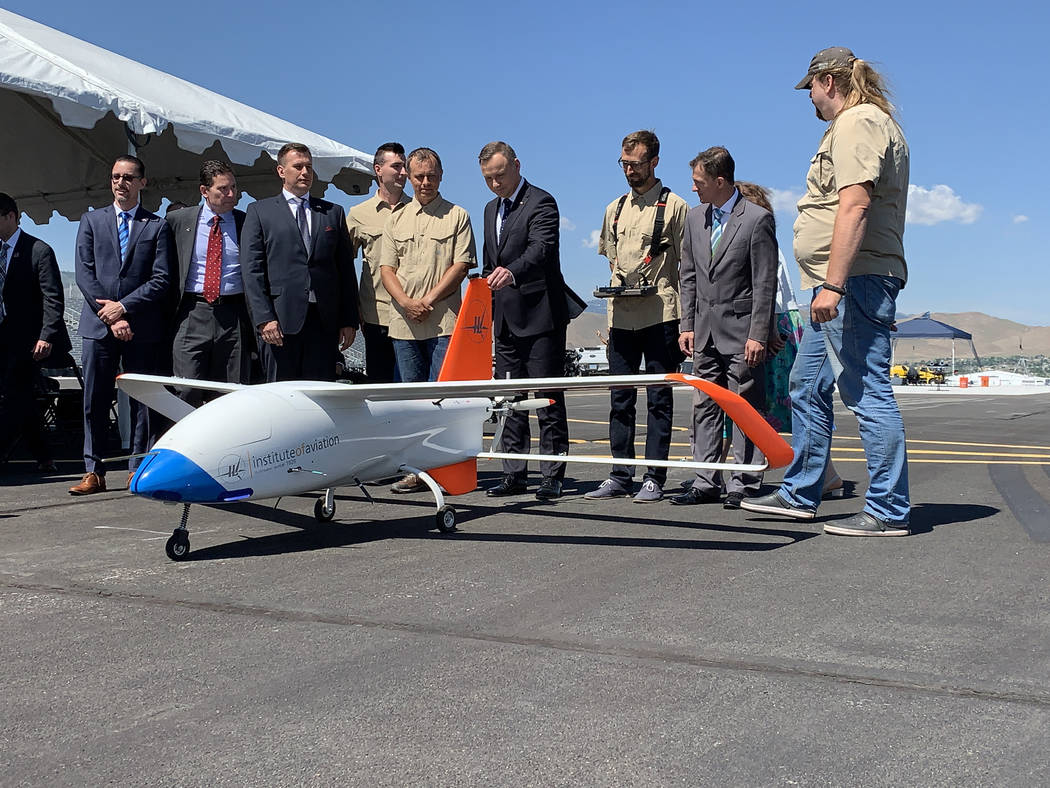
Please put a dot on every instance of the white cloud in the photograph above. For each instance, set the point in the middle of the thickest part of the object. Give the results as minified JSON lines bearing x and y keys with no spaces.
{"x":939,"y":204}
{"x":1020,"y":218}
{"x":591,"y":242}
{"x":567,"y":224}
{"x":785,"y":200}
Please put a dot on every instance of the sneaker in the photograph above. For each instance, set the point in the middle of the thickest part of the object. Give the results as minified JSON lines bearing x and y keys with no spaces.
{"x":865,"y":524}
{"x":610,"y":488}
{"x":650,"y":492}
{"x":409,"y":484}
{"x":774,"y":504}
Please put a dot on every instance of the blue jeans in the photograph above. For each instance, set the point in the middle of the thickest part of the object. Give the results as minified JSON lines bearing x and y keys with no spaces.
{"x":853,"y":350}
{"x":419,"y":360}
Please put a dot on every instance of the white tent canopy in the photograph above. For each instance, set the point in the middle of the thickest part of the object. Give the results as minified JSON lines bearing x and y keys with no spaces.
{"x":70,"y":108}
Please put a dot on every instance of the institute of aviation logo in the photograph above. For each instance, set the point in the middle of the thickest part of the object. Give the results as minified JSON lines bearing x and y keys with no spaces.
{"x":232,"y":466}
{"x":476,"y":326}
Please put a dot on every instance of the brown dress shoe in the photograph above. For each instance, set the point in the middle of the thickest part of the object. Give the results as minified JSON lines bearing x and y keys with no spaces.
{"x":91,"y":483}
{"x":131,"y":475}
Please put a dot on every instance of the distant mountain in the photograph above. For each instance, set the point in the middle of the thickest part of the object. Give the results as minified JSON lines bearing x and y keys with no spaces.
{"x":993,"y":336}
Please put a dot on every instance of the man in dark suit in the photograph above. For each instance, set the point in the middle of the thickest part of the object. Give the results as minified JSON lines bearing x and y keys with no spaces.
{"x":124,"y":271}
{"x":213,"y":332}
{"x":298,"y":272}
{"x":729,"y":285}
{"x":31,"y":330}
{"x":523,"y":269}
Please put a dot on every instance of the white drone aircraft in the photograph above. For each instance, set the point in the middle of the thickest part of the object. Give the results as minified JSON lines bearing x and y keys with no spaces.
{"x":288,"y":438}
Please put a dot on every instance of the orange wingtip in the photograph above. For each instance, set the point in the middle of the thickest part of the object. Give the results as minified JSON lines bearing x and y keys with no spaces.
{"x":469,"y":355}
{"x":458,"y":478}
{"x":777,"y":451}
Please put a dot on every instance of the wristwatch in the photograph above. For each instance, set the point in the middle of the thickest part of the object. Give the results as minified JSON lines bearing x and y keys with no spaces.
{"x":834,"y":288}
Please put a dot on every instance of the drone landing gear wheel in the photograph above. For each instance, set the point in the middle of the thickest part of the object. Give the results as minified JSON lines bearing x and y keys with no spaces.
{"x":446,"y":519}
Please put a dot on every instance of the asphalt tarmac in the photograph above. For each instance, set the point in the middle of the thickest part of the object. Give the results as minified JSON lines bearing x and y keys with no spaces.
{"x":564,"y":643}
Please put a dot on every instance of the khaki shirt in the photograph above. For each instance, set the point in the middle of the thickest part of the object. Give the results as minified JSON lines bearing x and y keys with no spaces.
{"x":627,"y":254}
{"x":366,"y":221}
{"x":862,"y":143}
{"x":420,"y":243}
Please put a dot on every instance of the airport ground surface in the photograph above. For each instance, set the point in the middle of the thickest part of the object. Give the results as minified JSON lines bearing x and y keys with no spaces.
{"x":568,"y":643}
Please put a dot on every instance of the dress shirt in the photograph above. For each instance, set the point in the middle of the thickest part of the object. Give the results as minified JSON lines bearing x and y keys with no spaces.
{"x":293,"y":206}
{"x":132,"y":212}
{"x":230,"y":278}
{"x":499,"y":213}
{"x":727,"y":207}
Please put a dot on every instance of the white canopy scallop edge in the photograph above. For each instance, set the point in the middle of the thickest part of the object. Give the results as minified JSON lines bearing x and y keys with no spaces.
{"x":70,"y":108}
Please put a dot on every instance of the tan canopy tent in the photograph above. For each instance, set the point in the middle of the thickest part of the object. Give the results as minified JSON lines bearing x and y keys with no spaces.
{"x":70,"y":108}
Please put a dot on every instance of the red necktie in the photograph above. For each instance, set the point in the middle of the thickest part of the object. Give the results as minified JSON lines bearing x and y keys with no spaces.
{"x":213,"y":262}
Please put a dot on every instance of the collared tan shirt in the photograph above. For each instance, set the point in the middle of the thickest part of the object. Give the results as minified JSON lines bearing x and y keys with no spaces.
{"x":421,"y":242}
{"x":862,"y":144}
{"x":626,"y":254}
{"x":366,"y":221}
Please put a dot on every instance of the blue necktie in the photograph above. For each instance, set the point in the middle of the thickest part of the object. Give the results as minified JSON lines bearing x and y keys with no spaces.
{"x":122,"y":233}
{"x":717,"y":214}
{"x":3,"y":277}
{"x":503,"y":219}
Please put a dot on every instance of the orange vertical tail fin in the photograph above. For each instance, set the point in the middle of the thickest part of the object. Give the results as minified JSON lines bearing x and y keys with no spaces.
{"x":469,"y":355}
{"x":778,"y":452}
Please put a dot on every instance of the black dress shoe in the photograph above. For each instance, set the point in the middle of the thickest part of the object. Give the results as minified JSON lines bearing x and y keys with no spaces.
{"x":509,"y":485}
{"x":549,"y":489}
{"x":733,"y":500}
{"x":694,"y":496}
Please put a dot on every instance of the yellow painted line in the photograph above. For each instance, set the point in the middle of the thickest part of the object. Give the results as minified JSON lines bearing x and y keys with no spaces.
{"x":954,"y":443}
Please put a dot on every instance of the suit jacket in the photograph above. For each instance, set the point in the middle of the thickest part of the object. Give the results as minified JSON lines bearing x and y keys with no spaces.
{"x":729,"y":296}
{"x":529,"y":248}
{"x":183,"y":223}
{"x":140,"y":281}
{"x":279,"y":271}
{"x":33,"y":298}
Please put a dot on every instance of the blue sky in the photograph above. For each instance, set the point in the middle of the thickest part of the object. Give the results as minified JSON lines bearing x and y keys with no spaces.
{"x":564,"y":82}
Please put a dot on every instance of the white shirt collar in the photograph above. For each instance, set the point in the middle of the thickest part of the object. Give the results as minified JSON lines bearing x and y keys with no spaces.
{"x":727,"y":206}
{"x":12,"y":241}
{"x":120,"y":210}
{"x":288,"y":197}
{"x":513,"y":198}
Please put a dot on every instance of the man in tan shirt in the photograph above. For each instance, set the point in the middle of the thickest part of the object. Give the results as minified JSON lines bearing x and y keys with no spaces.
{"x":642,"y":239}
{"x":428,"y":247}
{"x":366,"y":221}
{"x":849,"y":245}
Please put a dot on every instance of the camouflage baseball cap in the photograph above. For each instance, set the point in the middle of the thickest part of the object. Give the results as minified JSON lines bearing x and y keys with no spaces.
{"x":825,"y":60}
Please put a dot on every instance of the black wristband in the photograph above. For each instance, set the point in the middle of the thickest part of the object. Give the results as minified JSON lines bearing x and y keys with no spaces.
{"x":834,"y":288}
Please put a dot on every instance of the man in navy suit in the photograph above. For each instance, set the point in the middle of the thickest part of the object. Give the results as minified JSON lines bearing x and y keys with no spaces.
{"x":213,"y":334}
{"x":298,"y":272}
{"x":124,"y":271}
{"x":523,"y":269}
{"x":31,"y":330}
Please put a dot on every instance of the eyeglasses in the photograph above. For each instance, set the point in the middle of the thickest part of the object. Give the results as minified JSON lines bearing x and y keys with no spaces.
{"x":117,"y":177}
{"x":632,"y":165}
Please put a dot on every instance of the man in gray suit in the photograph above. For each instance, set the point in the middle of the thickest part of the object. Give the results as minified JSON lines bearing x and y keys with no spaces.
{"x":211,"y":336}
{"x":729,"y":283}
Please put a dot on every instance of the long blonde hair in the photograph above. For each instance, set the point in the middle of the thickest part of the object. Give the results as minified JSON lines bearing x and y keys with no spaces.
{"x":862,"y":84}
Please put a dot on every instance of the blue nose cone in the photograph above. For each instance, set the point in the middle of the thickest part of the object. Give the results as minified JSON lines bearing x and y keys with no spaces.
{"x":167,"y":475}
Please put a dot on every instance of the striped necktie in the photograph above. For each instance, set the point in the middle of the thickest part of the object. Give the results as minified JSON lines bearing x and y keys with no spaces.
{"x":122,"y":233}
{"x":4,"y":247}
{"x":717,"y":214}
